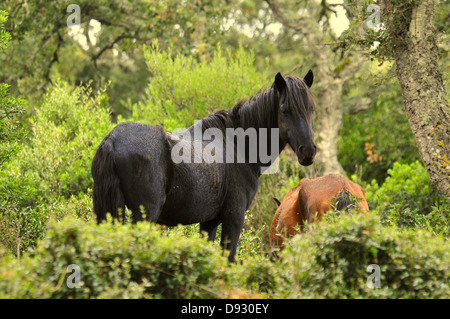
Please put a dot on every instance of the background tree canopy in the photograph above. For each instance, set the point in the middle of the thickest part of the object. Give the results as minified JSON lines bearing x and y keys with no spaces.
{"x":63,"y":88}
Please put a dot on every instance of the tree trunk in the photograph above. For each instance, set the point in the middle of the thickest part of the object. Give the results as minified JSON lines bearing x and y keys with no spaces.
{"x":329,"y":123}
{"x":424,"y":94}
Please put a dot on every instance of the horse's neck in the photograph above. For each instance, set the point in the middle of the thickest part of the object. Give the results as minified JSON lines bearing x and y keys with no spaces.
{"x":265,"y":117}
{"x":260,"y":112}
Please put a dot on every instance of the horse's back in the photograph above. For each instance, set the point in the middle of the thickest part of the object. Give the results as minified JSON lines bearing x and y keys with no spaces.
{"x":121,"y":164}
{"x":319,"y":195}
{"x":309,"y":201}
{"x":133,"y":138}
{"x":141,"y":156}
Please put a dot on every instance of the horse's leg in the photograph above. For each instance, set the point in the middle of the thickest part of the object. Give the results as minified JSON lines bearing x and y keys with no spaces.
{"x":232,"y":224}
{"x":145,"y":204}
{"x":210,"y":228}
{"x":152,"y":206}
{"x":150,"y":195}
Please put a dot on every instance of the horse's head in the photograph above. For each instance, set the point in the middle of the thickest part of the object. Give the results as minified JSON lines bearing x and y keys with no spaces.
{"x":295,"y":115}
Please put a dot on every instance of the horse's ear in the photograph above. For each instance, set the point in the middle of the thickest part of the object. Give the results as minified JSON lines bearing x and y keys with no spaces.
{"x":280,"y":83}
{"x":309,"y":78}
{"x":277,"y":201}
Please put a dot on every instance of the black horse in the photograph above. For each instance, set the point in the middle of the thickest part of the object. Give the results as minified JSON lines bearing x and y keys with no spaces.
{"x":137,"y":165}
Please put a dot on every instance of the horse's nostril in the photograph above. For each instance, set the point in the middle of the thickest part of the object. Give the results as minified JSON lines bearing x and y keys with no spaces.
{"x":307,"y":152}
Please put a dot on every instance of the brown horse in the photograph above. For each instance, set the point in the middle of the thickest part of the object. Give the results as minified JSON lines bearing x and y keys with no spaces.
{"x":310,"y":200}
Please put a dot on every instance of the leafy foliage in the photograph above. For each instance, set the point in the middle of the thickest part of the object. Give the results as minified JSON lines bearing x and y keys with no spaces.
{"x":371,"y":142}
{"x":408,"y":184}
{"x":146,"y":261}
{"x":183,"y":90}
{"x":65,"y":132}
{"x":5,"y":36}
{"x":11,"y":130}
{"x":331,"y":259}
{"x":45,"y":47}
{"x":408,"y":199}
{"x":116,"y":261}
{"x":54,"y":165}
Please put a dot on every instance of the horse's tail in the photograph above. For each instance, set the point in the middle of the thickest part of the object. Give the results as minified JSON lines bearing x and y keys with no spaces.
{"x":107,"y":195}
{"x":345,"y":201}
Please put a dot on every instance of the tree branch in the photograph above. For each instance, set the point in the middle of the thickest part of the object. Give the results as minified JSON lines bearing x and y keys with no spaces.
{"x":309,"y":29}
{"x":54,"y":58}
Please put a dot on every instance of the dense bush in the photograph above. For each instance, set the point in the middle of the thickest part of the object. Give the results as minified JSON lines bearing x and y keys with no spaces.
{"x":115,"y":261}
{"x":182,"y":90}
{"x":331,"y":260}
{"x":12,"y":131}
{"x":143,"y":260}
{"x":372,"y":141}
{"x":408,"y":199}
{"x":437,"y":221}
{"x":407,"y":184}
{"x":66,"y":130}
{"x":53,"y":166}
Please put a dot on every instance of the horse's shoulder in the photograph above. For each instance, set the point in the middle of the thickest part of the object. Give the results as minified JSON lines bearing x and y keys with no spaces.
{"x":306,"y":188}
{"x":293,"y":191}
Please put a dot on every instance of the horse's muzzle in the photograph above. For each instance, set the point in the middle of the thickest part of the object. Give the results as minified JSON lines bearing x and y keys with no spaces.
{"x":306,"y":163}
{"x":306,"y":155}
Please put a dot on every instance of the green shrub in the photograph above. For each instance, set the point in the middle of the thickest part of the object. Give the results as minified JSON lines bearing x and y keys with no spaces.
{"x":147,"y":261}
{"x":260,"y":275}
{"x":66,"y":130}
{"x":407,"y":184}
{"x":53,"y":166}
{"x":11,"y":130}
{"x":331,"y":259}
{"x":13,"y":225}
{"x":408,"y":199}
{"x":22,"y":218}
{"x":79,"y":206}
{"x":115,"y":261}
{"x":183,"y":90}
{"x":437,"y":221}
{"x":21,"y":228}
{"x":371,"y":142}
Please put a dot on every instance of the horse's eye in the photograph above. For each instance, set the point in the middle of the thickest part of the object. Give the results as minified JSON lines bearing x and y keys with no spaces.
{"x":284,"y":108}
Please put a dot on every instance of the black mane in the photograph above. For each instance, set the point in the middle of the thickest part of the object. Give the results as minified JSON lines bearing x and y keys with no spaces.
{"x":260,"y":110}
